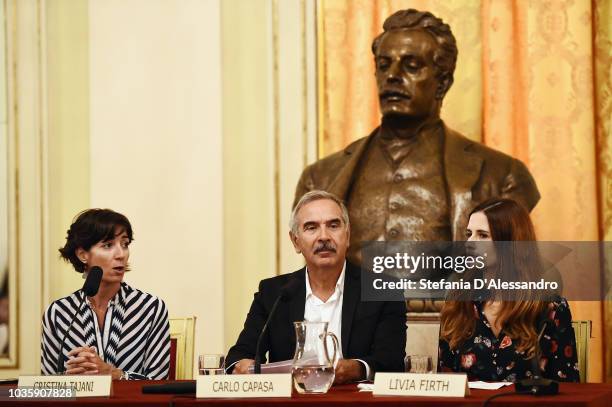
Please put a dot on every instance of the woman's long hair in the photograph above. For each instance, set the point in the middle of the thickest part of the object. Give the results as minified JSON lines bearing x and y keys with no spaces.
{"x":508,"y":222}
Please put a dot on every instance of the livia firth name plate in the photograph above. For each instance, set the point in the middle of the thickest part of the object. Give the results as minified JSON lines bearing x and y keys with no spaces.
{"x":425,"y":384}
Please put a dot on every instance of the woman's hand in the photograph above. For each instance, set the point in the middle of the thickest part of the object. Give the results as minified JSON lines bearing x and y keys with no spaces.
{"x":85,"y":361}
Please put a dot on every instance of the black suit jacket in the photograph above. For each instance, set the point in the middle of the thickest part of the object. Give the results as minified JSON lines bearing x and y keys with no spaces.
{"x":374,"y":332}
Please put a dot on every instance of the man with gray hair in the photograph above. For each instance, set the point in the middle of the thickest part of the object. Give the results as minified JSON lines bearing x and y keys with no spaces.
{"x":372,"y":334}
{"x":314,"y":196}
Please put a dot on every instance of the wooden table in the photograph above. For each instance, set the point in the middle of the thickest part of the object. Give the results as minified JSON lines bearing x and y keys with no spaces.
{"x":130,"y":394}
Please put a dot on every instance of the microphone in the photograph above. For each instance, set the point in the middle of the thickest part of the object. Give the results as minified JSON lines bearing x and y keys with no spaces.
{"x":285,"y":293}
{"x":90,"y":288}
{"x":92,"y":282}
{"x":537,"y":385}
{"x":186,"y":387}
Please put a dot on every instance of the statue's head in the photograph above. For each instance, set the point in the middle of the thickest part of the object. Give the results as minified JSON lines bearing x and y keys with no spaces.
{"x":415,"y":59}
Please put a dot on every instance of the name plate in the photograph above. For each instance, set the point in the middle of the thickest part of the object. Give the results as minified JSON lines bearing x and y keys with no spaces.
{"x":421,"y":384}
{"x":243,"y":386}
{"x":83,"y":386}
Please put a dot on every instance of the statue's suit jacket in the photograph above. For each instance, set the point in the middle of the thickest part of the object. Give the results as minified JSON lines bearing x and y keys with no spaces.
{"x":473,"y":171}
{"x":373,"y":331}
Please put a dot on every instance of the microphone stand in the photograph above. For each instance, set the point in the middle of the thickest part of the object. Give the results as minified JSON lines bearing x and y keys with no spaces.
{"x":285,"y":292}
{"x":537,"y":385}
{"x":257,"y":365}
{"x":90,"y":288}
{"x":60,"y":355}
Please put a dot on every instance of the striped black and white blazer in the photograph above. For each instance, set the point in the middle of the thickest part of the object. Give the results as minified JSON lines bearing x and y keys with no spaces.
{"x":135,"y":337}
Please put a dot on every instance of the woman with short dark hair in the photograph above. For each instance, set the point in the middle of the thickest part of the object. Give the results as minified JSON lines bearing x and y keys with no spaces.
{"x":121,"y":331}
{"x":496,"y":339}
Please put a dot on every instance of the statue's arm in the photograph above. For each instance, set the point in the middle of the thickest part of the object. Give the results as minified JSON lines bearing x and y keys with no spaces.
{"x":520,"y":185}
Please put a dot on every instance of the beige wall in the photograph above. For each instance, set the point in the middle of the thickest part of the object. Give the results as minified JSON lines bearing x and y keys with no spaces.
{"x":248,"y":153}
{"x":119,"y":107}
{"x":268,"y":137}
{"x":66,"y":65}
{"x":155,"y":147}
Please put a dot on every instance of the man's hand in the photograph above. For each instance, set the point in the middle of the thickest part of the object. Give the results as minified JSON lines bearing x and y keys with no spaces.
{"x":349,"y":370}
{"x":85,"y":360}
{"x":242,"y":367}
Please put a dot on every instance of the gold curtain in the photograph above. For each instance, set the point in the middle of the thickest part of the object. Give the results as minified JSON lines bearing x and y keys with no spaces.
{"x":602,"y":49}
{"x":533,"y":79}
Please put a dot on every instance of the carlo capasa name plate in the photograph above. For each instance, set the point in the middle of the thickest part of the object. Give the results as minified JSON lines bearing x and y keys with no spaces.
{"x":82,"y":386}
{"x":244,"y":386}
{"x":417,"y":384}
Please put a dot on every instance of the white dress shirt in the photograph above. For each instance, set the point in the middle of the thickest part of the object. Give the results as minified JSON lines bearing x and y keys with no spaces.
{"x":330,"y":311}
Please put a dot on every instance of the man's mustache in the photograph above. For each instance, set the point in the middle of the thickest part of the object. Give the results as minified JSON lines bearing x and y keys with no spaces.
{"x":325,"y":246}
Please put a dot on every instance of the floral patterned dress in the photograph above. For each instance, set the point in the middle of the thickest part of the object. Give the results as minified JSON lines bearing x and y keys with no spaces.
{"x":489,"y":358}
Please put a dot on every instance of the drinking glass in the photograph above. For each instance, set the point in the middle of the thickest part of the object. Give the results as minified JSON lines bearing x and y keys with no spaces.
{"x":418,"y":364}
{"x":211,"y":364}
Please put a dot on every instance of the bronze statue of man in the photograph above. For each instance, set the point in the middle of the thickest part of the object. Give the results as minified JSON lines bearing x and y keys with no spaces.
{"x":413,"y":178}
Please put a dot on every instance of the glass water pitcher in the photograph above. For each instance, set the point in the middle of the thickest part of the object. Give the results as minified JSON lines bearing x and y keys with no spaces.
{"x":313,"y":368}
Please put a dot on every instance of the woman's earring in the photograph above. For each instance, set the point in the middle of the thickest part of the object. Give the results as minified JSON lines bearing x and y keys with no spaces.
{"x":85,"y":273}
